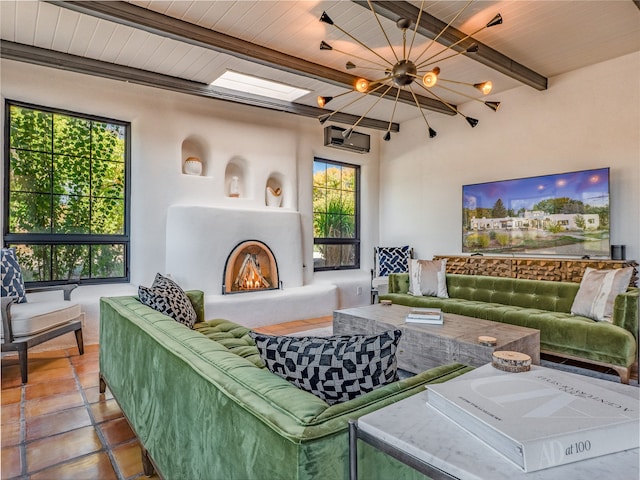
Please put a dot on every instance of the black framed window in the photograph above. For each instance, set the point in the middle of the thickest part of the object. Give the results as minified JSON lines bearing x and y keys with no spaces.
{"x":336,"y":215}
{"x":66,"y":194}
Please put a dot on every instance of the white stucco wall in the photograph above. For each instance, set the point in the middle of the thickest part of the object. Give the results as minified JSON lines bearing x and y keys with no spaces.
{"x":589,"y":118}
{"x":266,"y":142}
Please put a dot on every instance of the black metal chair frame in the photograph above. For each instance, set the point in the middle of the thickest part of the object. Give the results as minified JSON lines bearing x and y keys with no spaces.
{"x":22,"y":344}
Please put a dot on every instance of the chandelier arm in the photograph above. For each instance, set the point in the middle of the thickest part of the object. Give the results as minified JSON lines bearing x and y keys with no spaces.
{"x":454,"y":44}
{"x":479,"y":85}
{"x":368,"y":68}
{"x":471,"y":121}
{"x":362,"y":44}
{"x":415,"y":30}
{"x":419,"y":108}
{"x":492,"y":105}
{"x":426,"y":63}
{"x":329,"y":98}
{"x":354,"y":100}
{"x":455,"y":110}
{"x":393,"y":113}
{"x":371,"y":107}
{"x":382,"y":80}
{"x":441,"y":31}
{"x":383,"y":31}
{"x":359,"y":58}
{"x":456,"y":92}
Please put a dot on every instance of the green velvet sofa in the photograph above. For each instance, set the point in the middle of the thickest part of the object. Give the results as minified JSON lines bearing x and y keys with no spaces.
{"x":543,"y":305}
{"x":203,"y":406}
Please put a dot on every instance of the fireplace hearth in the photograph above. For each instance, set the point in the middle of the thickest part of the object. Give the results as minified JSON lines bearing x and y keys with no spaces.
{"x":251,"y":266}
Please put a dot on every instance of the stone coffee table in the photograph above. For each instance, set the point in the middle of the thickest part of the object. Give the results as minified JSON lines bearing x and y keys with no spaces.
{"x":424,"y":346}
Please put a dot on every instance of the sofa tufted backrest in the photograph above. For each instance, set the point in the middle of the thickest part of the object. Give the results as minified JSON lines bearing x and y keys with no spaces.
{"x":540,"y":294}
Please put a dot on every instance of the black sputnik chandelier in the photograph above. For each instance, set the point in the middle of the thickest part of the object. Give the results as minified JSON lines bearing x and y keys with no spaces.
{"x":405,"y":73}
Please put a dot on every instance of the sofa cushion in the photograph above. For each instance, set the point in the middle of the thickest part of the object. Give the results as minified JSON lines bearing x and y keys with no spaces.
{"x":233,"y":336}
{"x":166,"y":296}
{"x":598,"y":291}
{"x":336,"y":368}
{"x":428,"y":277}
{"x":12,"y":283}
{"x":392,"y":260}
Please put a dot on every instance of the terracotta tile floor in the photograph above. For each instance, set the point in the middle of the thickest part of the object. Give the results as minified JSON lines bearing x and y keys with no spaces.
{"x":59,"y":426}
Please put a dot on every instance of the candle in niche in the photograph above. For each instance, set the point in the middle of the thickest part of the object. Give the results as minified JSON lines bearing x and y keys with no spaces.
{"x":234,"y":187}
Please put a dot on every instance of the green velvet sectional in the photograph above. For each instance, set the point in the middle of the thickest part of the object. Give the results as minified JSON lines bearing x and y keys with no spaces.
{"x":204,"y":407}
{"x":543,"y":305}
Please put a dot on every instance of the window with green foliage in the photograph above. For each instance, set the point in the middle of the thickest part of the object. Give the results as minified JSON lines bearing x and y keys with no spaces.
{"x":66,"y":195}
{"x":336,"y":215}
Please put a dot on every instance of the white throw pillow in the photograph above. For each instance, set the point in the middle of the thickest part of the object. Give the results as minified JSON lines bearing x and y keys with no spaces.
{"x":598,"y":291}
{"x":428,"y":277}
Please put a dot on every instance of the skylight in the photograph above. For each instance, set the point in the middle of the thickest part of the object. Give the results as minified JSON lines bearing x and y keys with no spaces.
{"x":258,"y":86}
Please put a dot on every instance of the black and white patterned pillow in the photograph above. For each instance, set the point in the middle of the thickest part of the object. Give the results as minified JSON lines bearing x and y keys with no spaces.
{"x":12,"y":283}
{"x":393,"y":260}
{"x":167,"y":297}
{"x":336,"y":368}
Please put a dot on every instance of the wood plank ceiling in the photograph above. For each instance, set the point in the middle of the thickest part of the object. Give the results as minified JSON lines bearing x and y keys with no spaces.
{"x":185,"y":45}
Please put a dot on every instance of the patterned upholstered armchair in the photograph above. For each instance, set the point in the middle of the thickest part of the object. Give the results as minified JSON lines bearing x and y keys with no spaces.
{"x":27,"y":324}
{"x":387,"y":260}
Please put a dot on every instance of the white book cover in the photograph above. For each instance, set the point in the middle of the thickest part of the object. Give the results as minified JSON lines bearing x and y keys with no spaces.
{"x":540,"y":418}
{"x":427,"y":312}
{"x":420,"y":319}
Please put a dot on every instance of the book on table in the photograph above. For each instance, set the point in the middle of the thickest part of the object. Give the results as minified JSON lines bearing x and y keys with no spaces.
{"x":425,"y":315}
{"x":540,"y":418}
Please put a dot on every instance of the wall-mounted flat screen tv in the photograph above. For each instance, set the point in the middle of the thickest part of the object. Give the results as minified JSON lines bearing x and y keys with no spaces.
{"x":564,"y":214}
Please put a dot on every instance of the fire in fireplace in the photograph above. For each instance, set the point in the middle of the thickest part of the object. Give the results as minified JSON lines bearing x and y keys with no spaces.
{"x":250,"y":266}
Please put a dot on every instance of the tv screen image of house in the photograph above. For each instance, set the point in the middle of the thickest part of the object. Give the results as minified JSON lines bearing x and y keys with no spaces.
{"x":564,"y":214}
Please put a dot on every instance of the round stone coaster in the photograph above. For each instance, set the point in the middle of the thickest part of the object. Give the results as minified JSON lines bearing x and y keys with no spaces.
{"x":487,"y":341}
{"x":513,"y":362}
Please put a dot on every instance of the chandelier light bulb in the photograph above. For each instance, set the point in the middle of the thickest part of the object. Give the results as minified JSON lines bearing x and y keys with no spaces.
{"x":484,"y":87}
{"x":322,"y":101}
{"x":430,"y":78}
{"x":362,"y":85}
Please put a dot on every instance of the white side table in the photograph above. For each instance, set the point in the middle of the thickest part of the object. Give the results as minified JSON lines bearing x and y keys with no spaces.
{"x":419,"y":436}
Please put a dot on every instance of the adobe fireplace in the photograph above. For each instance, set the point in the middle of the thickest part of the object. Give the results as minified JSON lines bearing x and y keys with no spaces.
{"x":250,"y":267}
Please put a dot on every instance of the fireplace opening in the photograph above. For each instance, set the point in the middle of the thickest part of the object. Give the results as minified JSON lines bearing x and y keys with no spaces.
{"x":250,"y":267}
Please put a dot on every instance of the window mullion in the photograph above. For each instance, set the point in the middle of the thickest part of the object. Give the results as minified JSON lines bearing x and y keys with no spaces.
{"x":51,"y":175}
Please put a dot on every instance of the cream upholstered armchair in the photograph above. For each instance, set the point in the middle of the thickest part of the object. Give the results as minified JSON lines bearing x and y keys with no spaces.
{"x":387,"y":260}
{"x":26,"y":324}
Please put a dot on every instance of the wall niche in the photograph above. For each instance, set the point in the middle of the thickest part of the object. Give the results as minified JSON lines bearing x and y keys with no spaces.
{"x":235,"y":178}
{"x":274,"y":193}
{"x":194,"y":156}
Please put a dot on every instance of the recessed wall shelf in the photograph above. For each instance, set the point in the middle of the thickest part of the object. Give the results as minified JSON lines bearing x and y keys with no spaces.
{"x":235,"y":178}
{"x":194,"y":149}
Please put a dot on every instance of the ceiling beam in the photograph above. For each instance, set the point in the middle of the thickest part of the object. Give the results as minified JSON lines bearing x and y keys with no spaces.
{"x":431,"y":27}
{"x":143,"y":19}
{"x":75,"y":63}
